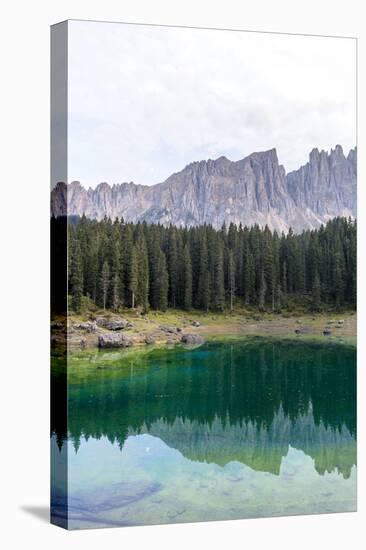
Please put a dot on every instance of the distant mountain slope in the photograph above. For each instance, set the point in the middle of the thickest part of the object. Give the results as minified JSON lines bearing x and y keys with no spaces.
{"x":253,"y":190}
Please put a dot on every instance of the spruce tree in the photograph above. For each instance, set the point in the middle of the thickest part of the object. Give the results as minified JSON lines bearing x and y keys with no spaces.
{"x":249,"y":277}
{"x":115,"y":291}
{"x":142,"y":292}
{"x":104,"y":283}
{"x":173,"y":264}
{"x":127,"y":246}
{"x":162,"y":282}
{"x":133,"y":275}
{"x":218,"y":276}
{"x":187,"y":278}
{"x":262,"y":292}
{"x":316,"y":292}
{"x":118,"y":264}
{"x":338,"y":280}
{"x":76,"y":277}
{"x":203,"y":293}
{"x":231,"y":279}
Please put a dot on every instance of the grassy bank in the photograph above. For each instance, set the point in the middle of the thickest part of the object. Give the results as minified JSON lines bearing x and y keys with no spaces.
{"x":217,"y":326}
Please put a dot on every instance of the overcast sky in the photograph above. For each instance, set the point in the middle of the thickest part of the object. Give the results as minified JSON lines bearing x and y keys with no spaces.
{"x":145,"y":101}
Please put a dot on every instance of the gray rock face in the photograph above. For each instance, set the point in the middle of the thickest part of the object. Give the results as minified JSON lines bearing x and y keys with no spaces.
{"x":110,"y":340}
{"x":326,"y":186}
{"x":253,"y":190}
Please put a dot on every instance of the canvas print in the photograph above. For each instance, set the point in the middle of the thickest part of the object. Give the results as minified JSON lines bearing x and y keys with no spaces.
{"x":203,"y":226}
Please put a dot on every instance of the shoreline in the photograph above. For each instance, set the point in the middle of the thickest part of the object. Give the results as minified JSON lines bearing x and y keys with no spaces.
{"x":166,"y":329}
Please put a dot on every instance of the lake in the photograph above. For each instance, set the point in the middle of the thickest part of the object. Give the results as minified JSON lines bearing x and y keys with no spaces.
{"x":241,"y":429}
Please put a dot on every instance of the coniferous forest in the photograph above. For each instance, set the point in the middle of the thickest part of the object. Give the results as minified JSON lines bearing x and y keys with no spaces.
{"x":138,"y":265}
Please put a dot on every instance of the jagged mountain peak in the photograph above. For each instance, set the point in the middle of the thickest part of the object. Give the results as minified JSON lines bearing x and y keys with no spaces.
{"x":252,"y":190}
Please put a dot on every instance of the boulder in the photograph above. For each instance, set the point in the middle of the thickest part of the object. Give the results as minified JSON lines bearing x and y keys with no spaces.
{"x":89,"y":326}
{"x":169,"y":329}
{"x":327,"y":331}
{"x":196,"y":324}
{"x":114,"y":341}
{"x":112,"y":324}
{"x":192,"y":339}
{"x":302,"y":330}
{"x":150,"y":339}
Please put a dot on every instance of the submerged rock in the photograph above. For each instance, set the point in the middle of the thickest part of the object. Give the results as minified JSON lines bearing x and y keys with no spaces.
{"x":327,"y":332}
{"x":192,"y":339}
{"x":114,"y":341}
{"x":112,"y":497}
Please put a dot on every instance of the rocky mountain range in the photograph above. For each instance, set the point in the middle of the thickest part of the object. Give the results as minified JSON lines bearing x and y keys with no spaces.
{"x":253,"y":190}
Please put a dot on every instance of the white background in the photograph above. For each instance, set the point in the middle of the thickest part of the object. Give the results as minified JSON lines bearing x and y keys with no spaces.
{"x":24,"y":287}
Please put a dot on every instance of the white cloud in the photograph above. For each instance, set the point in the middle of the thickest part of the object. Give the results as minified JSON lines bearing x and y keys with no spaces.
{"x":145,"y":101}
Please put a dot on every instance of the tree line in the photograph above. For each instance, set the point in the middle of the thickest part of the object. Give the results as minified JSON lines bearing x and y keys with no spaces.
{"x":241,"y":376}
{"x":139,"y":265}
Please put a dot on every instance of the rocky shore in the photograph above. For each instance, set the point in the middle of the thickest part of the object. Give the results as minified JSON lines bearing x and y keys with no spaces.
{"x":108,"y":330}
{"x":113,"y":331}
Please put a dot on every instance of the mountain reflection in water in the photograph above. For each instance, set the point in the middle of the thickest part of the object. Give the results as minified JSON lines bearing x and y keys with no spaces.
{"x":247,"y":401}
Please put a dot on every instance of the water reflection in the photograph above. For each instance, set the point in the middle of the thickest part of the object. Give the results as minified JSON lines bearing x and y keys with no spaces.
{"x":255,"y":404}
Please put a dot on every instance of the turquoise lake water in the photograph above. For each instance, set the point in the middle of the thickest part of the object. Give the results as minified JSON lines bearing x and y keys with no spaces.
{"x":245,"y":429}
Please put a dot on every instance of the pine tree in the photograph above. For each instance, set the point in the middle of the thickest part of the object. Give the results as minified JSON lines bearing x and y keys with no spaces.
{"x":231,"y":279}
{"x":218,"y":277}
{"x":158,"y":272}
{"x":91,"y":273}
{"x":76,"y":277}
{"x":338,"y":280}
{"x":133,"y":275}
{"x":104,"y":283}
{"x":173,"y":263}
{"x":316,"y":292}
{"x":163,"y":282}
{"x":187,"y":278}
{"x":115,"y":291}
{"x":262,"y":292}
{"x":142,"y":292}
{"x":133,"y":265}
{"x":127,"y":246}
{"x":268,"y":266}
{"x":203,"y":294}
{"x":249,"y":276}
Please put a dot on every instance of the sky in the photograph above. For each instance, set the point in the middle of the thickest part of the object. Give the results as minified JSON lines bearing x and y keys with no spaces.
{"x":145,"y":101}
